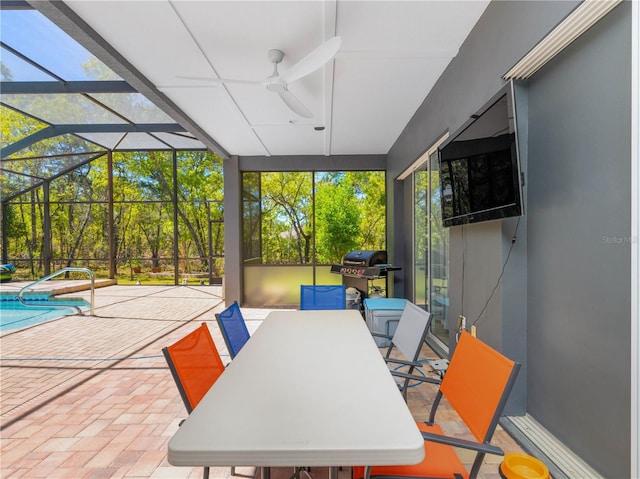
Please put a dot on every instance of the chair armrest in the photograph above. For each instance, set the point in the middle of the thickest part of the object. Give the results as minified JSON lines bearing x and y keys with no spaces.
{"x":403,"y":362}
{"x":381,"y":335}
{"x":413,"y":377}
{"x":463,"y":443}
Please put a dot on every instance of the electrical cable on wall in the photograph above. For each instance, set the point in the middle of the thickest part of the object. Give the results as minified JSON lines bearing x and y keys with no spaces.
{"x":504,"y":267}
{"x":460,"y":325}
{"x":464,"y":248}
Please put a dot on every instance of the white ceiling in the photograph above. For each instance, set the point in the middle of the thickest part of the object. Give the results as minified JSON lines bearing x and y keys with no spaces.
{"x":391,"y":55}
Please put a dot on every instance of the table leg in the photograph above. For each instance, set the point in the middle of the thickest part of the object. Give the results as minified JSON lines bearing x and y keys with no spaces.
{"x":265,"y":473}
{"x":333,"y":473}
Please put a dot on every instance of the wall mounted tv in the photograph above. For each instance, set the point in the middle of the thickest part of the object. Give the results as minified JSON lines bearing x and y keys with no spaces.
{"x":479,"y":166}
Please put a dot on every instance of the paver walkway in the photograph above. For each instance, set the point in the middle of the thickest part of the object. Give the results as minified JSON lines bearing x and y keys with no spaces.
{"x":91,"y":397}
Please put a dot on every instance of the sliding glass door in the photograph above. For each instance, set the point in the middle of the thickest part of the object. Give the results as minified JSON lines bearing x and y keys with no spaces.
{"x":430,"y":247}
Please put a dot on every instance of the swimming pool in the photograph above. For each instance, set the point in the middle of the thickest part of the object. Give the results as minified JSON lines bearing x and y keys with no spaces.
{"x":14,"y":314}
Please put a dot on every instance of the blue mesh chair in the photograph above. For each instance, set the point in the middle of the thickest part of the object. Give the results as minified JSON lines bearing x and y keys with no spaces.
{"x":323,"y":297}
{"x":233,"y":328}
{"x":235,"y":334}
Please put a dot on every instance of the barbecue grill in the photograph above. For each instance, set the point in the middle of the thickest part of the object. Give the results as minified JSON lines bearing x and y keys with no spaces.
{"x":361,"y":266}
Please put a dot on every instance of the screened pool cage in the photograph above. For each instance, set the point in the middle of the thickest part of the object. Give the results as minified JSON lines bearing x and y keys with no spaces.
{"x":93,"y":174}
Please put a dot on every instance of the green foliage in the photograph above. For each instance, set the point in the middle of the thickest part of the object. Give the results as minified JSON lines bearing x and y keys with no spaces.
{"x":143,"y":224}
{"x":338,"y":221}
{"x":15,"y":228}
{"x":369,"y":188}
{"x":286,"y":217}
{"x":94,"y":68}
{"x":349,"y":214}
{"x":15,"y":126}
{"x":146,"y":226}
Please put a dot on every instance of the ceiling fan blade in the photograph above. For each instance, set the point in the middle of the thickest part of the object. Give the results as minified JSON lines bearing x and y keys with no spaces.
{"x":313,"y":60}
{"x":220,"y":80}
{"x":296,"y":105}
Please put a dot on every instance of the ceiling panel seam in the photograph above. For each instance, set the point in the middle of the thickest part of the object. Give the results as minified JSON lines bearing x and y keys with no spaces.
{"x":330,"y":30}
{"x":224,"y":87}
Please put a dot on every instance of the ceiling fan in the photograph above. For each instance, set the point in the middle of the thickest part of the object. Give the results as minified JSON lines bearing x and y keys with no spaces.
{"x":279,"y":83}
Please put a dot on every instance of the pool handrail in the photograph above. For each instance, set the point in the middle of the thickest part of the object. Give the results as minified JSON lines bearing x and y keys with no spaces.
{"x":58,"y":273}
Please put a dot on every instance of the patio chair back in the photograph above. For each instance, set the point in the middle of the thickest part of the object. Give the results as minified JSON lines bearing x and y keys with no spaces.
{"x":477,"y":384}
{"x":233,"y":328}
{"x":408,"y":339}
{"x":195,"y":365}
{"x":323,"y":297}
{"x":476,"y":367}
{"x":411,"y":331}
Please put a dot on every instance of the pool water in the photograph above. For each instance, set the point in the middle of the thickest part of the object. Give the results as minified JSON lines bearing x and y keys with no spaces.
{"x":40,"y":308}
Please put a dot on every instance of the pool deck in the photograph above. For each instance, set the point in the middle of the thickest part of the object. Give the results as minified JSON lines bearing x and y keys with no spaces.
{"x":91,"y":397}
{"x":57,"y":287}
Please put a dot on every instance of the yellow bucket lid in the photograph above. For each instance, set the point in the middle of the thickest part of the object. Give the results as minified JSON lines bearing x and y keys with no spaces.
{"x":523,"y":466}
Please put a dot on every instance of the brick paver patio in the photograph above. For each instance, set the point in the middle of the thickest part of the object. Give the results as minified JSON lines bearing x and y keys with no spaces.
{"x":91,"y":397}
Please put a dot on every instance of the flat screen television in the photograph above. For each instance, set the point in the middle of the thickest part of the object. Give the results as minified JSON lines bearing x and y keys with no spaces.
{"x":479,"y":166}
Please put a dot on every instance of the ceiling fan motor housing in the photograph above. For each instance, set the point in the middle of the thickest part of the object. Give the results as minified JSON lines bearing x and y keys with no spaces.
{"x":274,"y":83}
{"x":275,"y":56}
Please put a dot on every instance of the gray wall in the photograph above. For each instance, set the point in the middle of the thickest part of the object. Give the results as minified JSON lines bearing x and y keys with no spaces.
{"x":232,"y":231}
{"x":563,"y":306}
{"x":579,"y":264}
{"x":505,"y":33}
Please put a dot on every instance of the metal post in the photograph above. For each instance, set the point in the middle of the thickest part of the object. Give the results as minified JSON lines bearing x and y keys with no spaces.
{"x":111,"y":228}
{"x":5,"y":229}
{"x":313,"y":228}
{"x":46,"y":227}
{"x":210,"y":233}
{"x":175,"y":217}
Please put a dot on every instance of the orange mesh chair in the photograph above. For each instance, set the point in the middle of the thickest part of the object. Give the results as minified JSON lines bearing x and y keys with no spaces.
{"x":477,"y":385}
{"x":195,"y":365}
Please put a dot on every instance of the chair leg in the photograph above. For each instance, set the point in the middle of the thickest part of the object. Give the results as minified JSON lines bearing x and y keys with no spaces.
{"x":237,"y":474}
{"x":205,"y":474}
{"x":298,"y":471}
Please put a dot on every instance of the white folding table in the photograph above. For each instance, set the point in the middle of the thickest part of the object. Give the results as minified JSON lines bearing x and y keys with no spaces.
{"x":310,"y":388}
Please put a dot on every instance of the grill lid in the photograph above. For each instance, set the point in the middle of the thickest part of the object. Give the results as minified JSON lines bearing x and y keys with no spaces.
{"x":365,"y":258}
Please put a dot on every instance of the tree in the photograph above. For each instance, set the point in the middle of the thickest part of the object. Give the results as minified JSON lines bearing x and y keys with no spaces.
{"x":286,"y":215}
{"x":349,"y":214}
{"x":15,"y":228}
{"x":71,"y":213}
{"x":337,"y":219}
{"x":5,"y":72}
{"x":143,"y":188}
{"x":369,"y":189}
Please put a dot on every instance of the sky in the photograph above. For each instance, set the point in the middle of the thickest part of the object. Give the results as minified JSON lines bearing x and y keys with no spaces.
{"x":34,"y":36}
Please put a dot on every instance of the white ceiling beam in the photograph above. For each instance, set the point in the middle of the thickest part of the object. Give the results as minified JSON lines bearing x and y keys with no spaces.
{"x":330,"y":18}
